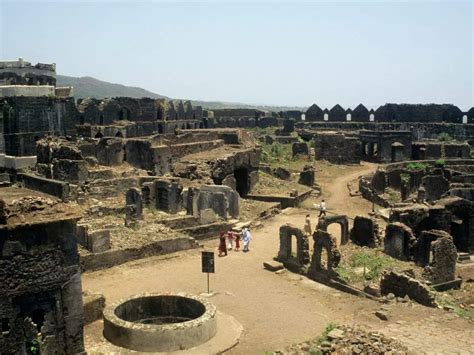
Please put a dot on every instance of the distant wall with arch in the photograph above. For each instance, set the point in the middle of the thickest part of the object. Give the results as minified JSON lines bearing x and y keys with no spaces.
{"x":389,"y":113}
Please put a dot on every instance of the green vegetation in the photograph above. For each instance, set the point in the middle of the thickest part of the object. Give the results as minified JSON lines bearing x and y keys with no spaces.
{"x":415,"y":166}
{"x":393,"y":196}
{"x":324,"y":336}
{"x":373,"y":263}
{"x":440,"y":163}
{"x":447,"y":300}
{"x":35,"y":346}
{"x":281,"y":155}
{"x":405,"y":178}
{"x":444,"y":137}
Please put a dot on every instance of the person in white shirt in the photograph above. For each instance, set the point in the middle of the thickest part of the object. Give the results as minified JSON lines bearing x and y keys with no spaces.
{"x":322,"y":208}
{"x":246,"y":238}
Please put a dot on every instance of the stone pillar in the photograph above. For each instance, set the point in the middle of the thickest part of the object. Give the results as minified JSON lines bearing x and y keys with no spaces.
{"x":133,"y":205}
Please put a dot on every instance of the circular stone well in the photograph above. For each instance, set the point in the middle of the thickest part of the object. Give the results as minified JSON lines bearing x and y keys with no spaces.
{"x":160,"y":322}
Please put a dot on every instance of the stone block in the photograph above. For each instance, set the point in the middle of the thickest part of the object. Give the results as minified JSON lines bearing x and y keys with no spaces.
{"x":365,"y":232}
{"x":94,"y":305}
{"x":230,"y":181}
{"x":98,"y":241}
{"x":207,"y":216}
{"x":74,"y":171}
{"x":307,"y":176}
{"x":273,"y":265}
{"x":299,"y":148}
{"x":282,"y":173}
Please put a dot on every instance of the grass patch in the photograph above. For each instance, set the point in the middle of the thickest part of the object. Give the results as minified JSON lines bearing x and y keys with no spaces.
{"x":373,"y":263}
{"x":447,"y":300}
{"x":324,"y":336}
{"x":444,"y":137}
{"x":416,"y":166}
{"x":393,"y":196}
{"x":281,"y":155}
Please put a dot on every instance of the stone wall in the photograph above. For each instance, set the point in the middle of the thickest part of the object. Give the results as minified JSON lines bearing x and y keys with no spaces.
{"x":27,"y":119}
{"x":41,"y":288}
{"x":402,"y":285}
{"x":337,"y":148}
{"x":420,"y":130}
{"x":390,"y":113}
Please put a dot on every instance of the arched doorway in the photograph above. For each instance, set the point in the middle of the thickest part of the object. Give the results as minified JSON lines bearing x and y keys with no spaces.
{"x":124,"y":114}
{"x":241,"y":176}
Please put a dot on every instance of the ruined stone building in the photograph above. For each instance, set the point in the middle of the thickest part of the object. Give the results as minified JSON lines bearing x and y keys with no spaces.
{"x":129,"y":117}
{"x":31,"y":106}
{"x":429,"y":113}
{"x":40,"y":280}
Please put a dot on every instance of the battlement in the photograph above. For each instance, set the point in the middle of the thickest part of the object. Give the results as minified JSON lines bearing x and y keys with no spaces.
{"x":21,"y":72}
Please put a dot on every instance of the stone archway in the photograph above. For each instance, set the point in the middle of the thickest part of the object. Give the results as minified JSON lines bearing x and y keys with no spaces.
{"x":242,"y":181}
{"x":301,"y":261}
{"x":342,"y":220}
{"x":324,"y":241}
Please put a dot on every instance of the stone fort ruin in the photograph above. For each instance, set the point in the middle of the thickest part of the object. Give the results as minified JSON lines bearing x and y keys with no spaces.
{"x":88,"y":184}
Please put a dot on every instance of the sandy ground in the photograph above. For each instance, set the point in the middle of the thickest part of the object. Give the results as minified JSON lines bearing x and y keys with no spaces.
{"x":277,"y":310}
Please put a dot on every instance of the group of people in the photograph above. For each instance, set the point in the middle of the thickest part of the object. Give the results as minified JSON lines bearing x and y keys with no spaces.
{"x":229,"y":238}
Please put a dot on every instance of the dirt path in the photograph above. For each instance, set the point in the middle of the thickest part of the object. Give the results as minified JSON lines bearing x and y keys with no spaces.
{"x":277,"y":310}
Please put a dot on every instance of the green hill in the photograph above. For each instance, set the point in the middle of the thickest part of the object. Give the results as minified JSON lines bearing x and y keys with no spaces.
{"x":90,"y":87}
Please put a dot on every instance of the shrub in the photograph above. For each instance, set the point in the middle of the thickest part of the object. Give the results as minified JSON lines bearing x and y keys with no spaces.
{"x":414,"y":166}
{"x":444,"y":137}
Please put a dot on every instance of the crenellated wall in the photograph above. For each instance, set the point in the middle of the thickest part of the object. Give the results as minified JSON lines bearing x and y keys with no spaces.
{"x":428,"y":113}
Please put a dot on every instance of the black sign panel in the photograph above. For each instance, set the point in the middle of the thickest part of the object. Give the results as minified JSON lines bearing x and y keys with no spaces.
{"x":208,"y":261}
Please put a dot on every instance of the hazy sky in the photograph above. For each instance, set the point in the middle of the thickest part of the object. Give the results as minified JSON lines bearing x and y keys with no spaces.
{"x":281,"y":53}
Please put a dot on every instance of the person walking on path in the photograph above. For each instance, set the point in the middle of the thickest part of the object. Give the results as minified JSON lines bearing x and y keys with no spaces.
{"x":307,"y":225}
{"x":246,"y":238}
{"x":322,"y":209}
{"x":230,"y":239}
{"x":237,"y":241}
{"x":222,"y":247}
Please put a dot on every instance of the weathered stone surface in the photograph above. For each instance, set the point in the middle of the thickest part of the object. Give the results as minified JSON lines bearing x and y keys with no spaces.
{"x":299,"y":148}
{"x":273,"y":265}
{"x":307,"y":176}
{"x":399,"y":241}
{"x":230,"y":181}
{"x":325,"y":221}
{"x":223,"y":200}
{"x":442,"y":268}
{"x":110,"y":151}
{"x":382,"y":315}
{"x":94,"y":305}
{"x":365,"y":232}
{"x":74,"y":171}
{"x":301,"y":259}
{"x":282,"y":173}
{"x":168,"y":196}
{"x":402,"y":285}
{"x":98,"y":241}
{"x":320,"y":267}
{"x":435,"y":186}
{"x":134,"y":202}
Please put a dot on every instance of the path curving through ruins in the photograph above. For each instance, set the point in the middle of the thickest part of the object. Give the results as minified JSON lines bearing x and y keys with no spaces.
{"x":279,"y":309}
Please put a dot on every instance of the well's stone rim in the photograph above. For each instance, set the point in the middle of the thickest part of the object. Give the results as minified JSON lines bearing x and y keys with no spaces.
{"x":110,"y":316}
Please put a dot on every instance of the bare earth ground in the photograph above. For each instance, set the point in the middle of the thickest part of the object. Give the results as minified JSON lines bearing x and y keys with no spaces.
{"x":278,"y":310}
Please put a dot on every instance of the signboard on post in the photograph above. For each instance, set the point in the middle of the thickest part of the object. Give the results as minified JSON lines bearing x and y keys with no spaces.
{"x":208,"y":264}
